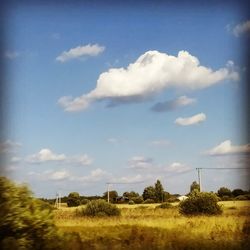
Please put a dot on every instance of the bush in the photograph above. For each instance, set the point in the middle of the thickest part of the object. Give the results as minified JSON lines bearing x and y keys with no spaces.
{"x":242,"y":198}
{"x":165,"y":205}
{"x":200,"y":203}
{"x":226,"y":198}
{"x":26,"y":222}
{"x":101,"y":208}
{"x":137,"y":200}
{"x":131,"y":202}
{"x":173,"y":199}
{"x":84,"y":201}
{"x":148,"y":201}
{"x":74,"y":199}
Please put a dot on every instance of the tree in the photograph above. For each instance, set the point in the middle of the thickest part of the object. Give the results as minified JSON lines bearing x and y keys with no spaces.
{"x":194,"y":186}
{"x":149,"y":193}
{"x":74,"y":199}
{"x":237,"y":192}
{"x":130,"y":194}
{"x":223,"y":191}
{"x":112,"y":195}
{"x":159,"y":192}
{"x":26,"y":222}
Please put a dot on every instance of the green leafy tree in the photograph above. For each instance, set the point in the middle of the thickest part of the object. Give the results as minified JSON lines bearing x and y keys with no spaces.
{"x":112,"y":195}
{"x":131,"y":194}
{"x":194,"y":186}
{"x":159,"y":192}
{"x":26,"y":222}
{"x":223,"y":191}
{"x":149,"y":193}
{"x":237,"y":192}
{"x":74,"y":199}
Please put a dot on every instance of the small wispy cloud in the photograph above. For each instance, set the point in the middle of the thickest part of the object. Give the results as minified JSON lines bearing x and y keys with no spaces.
{"x":177,"y":167}
{"x":227,"y":148}
{"x":160,"y":143}
{"x":187,"y":121}
{"x":47,"y":155}
{"x":81,"y":51}
{"x":140,"y":162}
{"x":240,"y":29}
{"x":181,"y":101}
{"x":9,"y":146}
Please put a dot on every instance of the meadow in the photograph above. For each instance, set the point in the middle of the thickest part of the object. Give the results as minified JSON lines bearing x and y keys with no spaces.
{"x":146,"y":227}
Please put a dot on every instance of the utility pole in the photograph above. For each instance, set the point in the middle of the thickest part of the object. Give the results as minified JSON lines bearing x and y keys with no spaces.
{"x":199,"y":177}
{"x":108,"y":190}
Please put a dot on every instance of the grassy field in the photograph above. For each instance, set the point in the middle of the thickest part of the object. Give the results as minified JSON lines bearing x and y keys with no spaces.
{"x":144,"y":227}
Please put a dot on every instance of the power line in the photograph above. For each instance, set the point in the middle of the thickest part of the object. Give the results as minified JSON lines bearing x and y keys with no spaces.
{"x":219,"y":168}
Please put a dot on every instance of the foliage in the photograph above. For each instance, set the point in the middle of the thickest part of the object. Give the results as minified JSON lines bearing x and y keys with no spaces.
{"x":173,"y":199}
{"x":131,"y":202}
{"x":84,"y":201}
{"x":165,"y":205}
{"x":137,"y":200}
{"x":26,"y":222}
{"x":223,"y":191}
{"x":159,"y":191}
{"x":200,"y":203}
{"x":149,"y":193}
{"x":237,"y":192}
{"x":226,"y":198}
{"x":112,"y":195}
{"x":148,"y":201}
{"x":74,"y":199}
{"x":130,"y":194}
{"x":243,"y":197}
{"x":101,"y":208}
{"x":194,"y":186}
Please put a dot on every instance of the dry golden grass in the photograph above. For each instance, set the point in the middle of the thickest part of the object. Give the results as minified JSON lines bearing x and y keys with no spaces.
{"x":164,"y":224}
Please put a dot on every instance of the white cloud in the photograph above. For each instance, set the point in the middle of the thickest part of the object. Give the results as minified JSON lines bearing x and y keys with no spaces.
{"x":191,"y":120}
{"x":112,"y":140}
{"x":15,"y":159}
{"x":80,"y":52}
{"x":151,"y":73}
{"x":81,"y":160}
{"x":226,"y":148}
{"x":241,"y":28}
{"x":59,"y":175}
{"x":177,"y":167}
{"x":94,"y":176}
{"x":140,"y":162}
{"x":9,"y":146}
{"x":160,"y":143}
{"x":46,"y":155}
{"x":131,"y":179}
{"x":181,"y":101}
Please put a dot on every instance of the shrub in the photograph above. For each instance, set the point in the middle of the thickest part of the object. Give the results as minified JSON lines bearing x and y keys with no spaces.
{"x":73,"y":199}
{"x":84,"y":201}
{"x":137,"y":200}
{"x":200,"y":203}
{"x":131,"y":202}
{"x":173,"y":199}
{"x":226,"y":198}
{"x":242,"y":197}
{"x":101,"y":208}
{"x":148,"y":201}
{"x":165,"y":205}
{"x":26,"y":222}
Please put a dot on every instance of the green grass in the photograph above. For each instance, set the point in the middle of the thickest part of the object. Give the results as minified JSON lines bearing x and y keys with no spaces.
{"x":144,"y":227}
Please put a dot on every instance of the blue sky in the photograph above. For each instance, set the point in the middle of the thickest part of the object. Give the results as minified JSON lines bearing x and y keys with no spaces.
{"x":53,"y":51}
